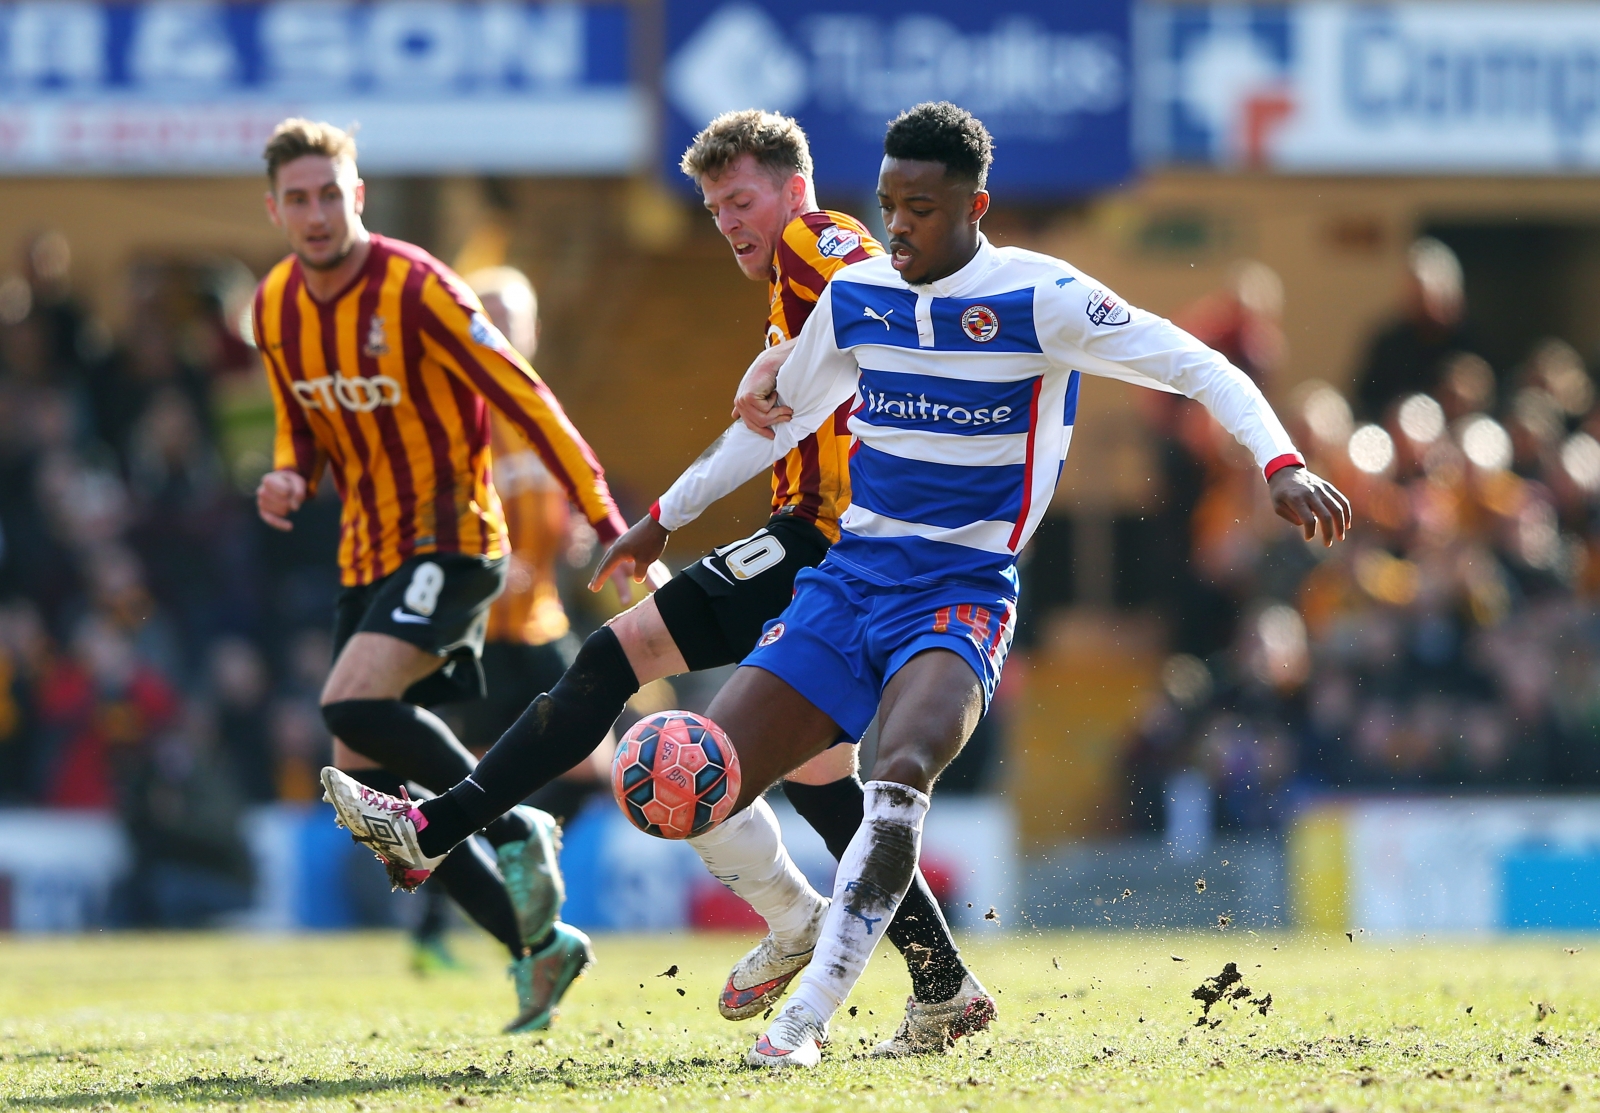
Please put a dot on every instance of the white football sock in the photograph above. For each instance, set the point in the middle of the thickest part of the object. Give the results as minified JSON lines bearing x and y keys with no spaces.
{"x":873,"y":876}
{"x":746,"y":853}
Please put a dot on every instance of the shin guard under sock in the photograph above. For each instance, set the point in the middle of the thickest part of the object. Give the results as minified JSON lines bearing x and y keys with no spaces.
{"x":468,"y":874}
{"x":416,"y":744}
{"x":918,"y":931}
{"x":746,"y":853}
{"x":556,"y":732}
{"x":873,"y":876}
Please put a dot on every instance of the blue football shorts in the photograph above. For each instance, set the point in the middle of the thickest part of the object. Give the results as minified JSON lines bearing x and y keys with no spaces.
{"x":843,"y":638}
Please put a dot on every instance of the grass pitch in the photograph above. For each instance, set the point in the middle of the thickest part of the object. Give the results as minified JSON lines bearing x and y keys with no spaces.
{"x":1090,"y":1022}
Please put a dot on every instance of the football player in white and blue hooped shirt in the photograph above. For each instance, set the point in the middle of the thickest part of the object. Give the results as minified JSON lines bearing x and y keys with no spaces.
{"x":965,"y":359}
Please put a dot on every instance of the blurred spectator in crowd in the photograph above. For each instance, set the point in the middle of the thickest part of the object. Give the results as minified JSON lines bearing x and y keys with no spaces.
{"x":181,"y":808}
{"x":141,"y":616}
{"x":1453,"y":642}
{"x":1410,"y":354}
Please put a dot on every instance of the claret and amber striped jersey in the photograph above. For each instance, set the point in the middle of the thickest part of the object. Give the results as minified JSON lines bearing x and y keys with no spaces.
{"x":813,"y":481}
{"x":390,"y":384}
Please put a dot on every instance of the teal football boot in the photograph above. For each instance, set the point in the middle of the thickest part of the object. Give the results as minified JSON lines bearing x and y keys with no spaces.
{"x":531,"y":869}
{"x":542,"y":978}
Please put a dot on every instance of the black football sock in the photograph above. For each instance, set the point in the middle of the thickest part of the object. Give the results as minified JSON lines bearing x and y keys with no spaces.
{"x":556,"y":732}
{"x":918,"y":929}
{"x":467,"y":874}
{"x":435,"y":915}
{"x":415,"y":743}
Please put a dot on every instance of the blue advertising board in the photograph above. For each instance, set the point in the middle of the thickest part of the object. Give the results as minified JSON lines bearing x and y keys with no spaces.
{"x":1050,"y":79}
{"x":189,"y":85}
{"x":1346,"y":86}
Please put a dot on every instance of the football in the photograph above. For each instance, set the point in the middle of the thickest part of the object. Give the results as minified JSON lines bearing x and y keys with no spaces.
{"x":675,"y":775}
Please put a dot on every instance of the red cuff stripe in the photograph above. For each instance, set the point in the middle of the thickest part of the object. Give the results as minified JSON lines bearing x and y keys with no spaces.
{"x":655,"y":510}
{"x":1288,"y":460}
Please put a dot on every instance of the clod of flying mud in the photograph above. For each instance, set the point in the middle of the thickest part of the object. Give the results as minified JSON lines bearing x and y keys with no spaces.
{"x":1543,"y":1009}
{"x":1056,"y":962}
{"x":854,"y":1010}
{"x":682,"y":992}
{"x":1199,"y":884}
{"x":1350,"y":935}
{"x":1572,"y":950}
{"x":1213,"y":989}
{"x":1178,"y":958}
{"x":992,"y":915}
{"x":669,"y":972}
{"x":1226,"y":986}
{"x":1223,"y":921}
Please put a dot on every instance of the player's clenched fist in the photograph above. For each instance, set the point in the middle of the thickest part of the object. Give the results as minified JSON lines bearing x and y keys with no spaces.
{"x":1310,"y":502}
{"x":756,"y":403}
{"x":279,"y":495}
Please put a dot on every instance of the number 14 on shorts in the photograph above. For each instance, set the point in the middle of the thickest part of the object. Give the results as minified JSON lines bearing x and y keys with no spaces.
{"x":989,"y":631}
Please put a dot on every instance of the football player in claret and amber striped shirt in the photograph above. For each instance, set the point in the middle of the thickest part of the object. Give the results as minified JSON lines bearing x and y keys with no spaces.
{"x":383,"y":370}
{"x":754,"y":170}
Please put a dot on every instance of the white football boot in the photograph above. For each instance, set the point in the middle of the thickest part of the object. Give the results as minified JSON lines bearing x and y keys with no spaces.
{"x":760,"y":977}
{"x":930,"y":1028}
{"x":794,"y":1039}
{"x":386,"y":825}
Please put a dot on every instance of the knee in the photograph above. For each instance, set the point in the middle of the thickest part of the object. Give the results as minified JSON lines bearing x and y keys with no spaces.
{"x":913,"y":768}
{"x":350,"y":720}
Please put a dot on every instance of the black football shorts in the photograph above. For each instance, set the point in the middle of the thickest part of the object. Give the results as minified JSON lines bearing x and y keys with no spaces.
{"x":439,"y":602}
{"x":716,"y":608}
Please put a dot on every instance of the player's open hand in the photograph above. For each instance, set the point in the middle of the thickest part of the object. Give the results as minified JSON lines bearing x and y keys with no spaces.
{"x":756,"y":403}
{"x":280,"y":494}
{"x":1310,"y":502}
{"x":634,"y":558}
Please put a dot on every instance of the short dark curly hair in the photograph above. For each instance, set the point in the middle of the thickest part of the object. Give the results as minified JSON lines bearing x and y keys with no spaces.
{"x":938,"y":131}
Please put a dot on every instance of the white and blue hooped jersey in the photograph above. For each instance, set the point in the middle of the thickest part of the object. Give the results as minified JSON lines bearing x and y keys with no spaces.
{"x":966,"y":395}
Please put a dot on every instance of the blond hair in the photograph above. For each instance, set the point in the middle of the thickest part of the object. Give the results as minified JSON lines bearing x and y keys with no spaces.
{"x":774,"y":141}
{"x":297,"y":137}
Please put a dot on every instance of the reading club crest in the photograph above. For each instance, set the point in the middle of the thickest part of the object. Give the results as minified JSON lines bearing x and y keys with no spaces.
{"x":980,"y":323}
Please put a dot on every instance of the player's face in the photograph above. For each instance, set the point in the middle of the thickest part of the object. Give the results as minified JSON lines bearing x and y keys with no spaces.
{"x":932,"y":221}
{"x":317,"y":201}
{"x":751,"y":206}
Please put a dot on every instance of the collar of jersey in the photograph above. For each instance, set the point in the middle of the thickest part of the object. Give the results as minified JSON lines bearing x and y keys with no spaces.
{"x":963,"y":280}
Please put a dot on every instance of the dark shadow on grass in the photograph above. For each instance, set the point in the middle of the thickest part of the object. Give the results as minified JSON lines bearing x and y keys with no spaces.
{"x":569,"y":1074}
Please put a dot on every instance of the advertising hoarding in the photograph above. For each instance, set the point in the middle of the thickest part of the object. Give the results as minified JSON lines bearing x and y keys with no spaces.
{"x":1050,"y":80}
{"x":181,"y":86}
{"x":1328,"y":87}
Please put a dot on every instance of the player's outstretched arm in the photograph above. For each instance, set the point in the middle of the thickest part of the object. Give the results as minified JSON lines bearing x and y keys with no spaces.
{"x":814,"y":380}
{"x":638,"y":553}
{"x":1310,"y":502}
{"x":1121,"y":341}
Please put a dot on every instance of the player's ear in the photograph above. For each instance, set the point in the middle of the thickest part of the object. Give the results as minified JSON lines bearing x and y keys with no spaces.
{"x":271,"y":199}
{"x":980,"y":206}
{"x":360,"y":196}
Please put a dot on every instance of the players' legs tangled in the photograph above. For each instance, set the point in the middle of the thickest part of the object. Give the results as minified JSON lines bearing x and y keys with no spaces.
{"x":372,"y":724}
{"x":929,"y":708}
